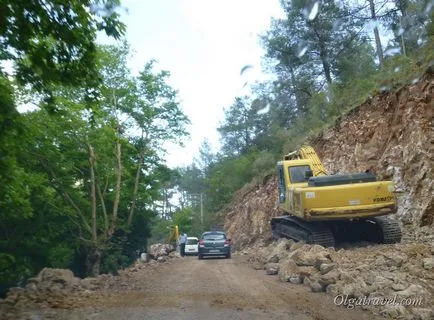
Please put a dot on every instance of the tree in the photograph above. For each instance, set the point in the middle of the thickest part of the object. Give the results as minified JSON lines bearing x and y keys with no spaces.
{"x":242,"y":126}
{"x":49,"y":44}
{"x":88,"y":160}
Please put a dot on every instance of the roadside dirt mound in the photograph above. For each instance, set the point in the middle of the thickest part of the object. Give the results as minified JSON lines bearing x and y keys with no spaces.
{"x":401,"y":274}
{"x":391,"y":134}
{"x":52,"y":287}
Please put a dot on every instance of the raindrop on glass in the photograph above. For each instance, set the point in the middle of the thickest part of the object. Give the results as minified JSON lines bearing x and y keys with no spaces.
{"x":264,"y":110}
{"x":392,"y":51}
{"x":302,"y":52}
{"x":397,"y":69}
{"x":429,"y":7}
{"x":245,"y":68}
{"x":372,"y":24}
{"x":314,"y":11}
{"x":400,"y":31}
{"x":415,"y":80}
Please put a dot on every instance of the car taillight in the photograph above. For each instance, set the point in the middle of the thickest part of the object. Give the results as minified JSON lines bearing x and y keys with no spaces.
{"x":201,"y":243}
{"x":227,"y":242}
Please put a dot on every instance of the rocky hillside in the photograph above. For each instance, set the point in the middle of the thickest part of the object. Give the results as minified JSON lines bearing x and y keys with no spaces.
{"x":392,"y":134}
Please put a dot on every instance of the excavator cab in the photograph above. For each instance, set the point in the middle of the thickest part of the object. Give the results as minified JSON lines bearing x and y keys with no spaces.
{"x":281,"y":184}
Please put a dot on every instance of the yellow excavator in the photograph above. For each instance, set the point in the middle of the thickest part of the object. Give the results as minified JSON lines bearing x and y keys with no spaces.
{"x":322,"y":209}
{"x":173,"y":236}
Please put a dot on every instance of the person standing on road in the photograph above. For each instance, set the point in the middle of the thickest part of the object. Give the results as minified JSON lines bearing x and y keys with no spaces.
{"x":182,"y":242}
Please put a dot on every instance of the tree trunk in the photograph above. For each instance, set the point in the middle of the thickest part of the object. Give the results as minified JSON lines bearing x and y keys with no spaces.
{"x":136,"y":186}
{"x":295,"y":89}
{"x":324,"y":58}
{"x":376,"y":34}
{"x":402,"y":6}
{"x":325,"y":64}
{"x":93,"y":261}
{"x":402,"y":42}
{"x":92,"y":192}
{"x":117,"y":188}
{"x":104,"y":209}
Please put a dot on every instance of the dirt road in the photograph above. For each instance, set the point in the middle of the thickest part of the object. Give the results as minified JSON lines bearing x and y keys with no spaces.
{"x":188,"y":288}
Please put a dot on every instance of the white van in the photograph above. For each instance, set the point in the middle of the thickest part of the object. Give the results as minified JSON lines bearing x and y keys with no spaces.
{"x":192,"y":246}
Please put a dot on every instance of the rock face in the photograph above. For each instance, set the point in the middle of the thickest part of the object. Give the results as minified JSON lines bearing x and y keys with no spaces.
{"x":247,"y":221}
{"x":391,"y":134}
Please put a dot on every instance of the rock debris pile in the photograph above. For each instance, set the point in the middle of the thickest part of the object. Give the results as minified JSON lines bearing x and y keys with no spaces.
{"x":401,"y":275}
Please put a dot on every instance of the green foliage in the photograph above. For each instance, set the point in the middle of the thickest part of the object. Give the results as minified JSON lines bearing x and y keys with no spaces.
{"x":183,"y":219}
{"x":51,"y":219}
{"x":51,"y":45}
{"x":60,"y":256}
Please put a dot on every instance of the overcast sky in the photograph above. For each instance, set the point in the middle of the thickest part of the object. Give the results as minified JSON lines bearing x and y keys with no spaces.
{"x":204,"y":44}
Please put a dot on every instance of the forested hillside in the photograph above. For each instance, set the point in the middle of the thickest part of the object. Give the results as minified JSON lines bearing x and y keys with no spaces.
{"x":328,"y":57}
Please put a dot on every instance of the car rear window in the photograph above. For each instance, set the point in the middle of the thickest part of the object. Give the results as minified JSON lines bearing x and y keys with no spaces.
{"x":214,"y":236}
{"x":191,"y":241}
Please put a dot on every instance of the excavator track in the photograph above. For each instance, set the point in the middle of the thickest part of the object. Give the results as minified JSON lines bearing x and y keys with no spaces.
{"x":389,"y":230}
{"x":377,"y":229}
{"x":297,"y":229}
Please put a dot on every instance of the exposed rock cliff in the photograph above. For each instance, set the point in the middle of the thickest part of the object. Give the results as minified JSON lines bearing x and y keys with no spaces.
{"x":392,"y":134}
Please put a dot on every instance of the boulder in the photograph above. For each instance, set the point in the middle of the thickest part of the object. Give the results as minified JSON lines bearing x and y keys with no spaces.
{"x":413,"y":290}
{"x":144,"y":257}
{"x":361,"y":289}
{"x":258,"y":265}
{"x":288,"y":269}
{"x":347,"y":277}
{"x":313,"y":284}
{"x":326,"y":267}
{"x":307,"y":255}
{"x":333,"y":289}
{"x":307,"y":272}
{"x":272,"y":268}
{"x":400,"y":286}
{"x":273,"y":258}
{"x":280,"y":251}
{"x":295,"y":279}
{"x":380,"y":283}
{"x":296,"y":245}
{"x":395,"y":312}
{"x":54,"y":280}
{"x":395,"y":259}
{"x":162,"y":258}
{"x":428,"y":263}
{"x":174,"y":254}
{"x":423,"y":313}
{"x":159,"y":250}
{"x":329,"y":278}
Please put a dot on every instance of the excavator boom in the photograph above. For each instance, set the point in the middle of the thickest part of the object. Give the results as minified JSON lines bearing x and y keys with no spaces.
{"x":308,"y":153}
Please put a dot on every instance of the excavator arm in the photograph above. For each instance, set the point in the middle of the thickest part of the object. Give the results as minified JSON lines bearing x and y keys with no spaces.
{"x":308,"y":153}
{"x":174,"y":235}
